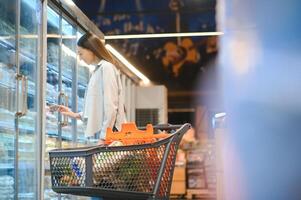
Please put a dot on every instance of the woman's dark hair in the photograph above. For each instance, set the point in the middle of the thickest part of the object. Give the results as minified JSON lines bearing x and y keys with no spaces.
{"x":93,"y":43}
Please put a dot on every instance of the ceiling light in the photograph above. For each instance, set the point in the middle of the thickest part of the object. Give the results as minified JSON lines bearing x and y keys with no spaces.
{"x":218,"y":115}
{"x":69,"y":2}
{"x":145,"y":80}
{"x":162,"y":35}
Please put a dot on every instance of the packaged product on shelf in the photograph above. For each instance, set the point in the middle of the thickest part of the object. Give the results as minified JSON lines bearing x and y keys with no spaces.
{"x":6,"y":28}
{"x":2,"y":150}
{"x":6,"y":116}
{"x":28,"y":121}
{"x":83,"y":75}
{"x":6,"y":180}
{"x":26,"y":143}
{"x":196,"y":178}
{"x":6,"y":187}
{"x":52,"y":53}
{"x":201,"y":171}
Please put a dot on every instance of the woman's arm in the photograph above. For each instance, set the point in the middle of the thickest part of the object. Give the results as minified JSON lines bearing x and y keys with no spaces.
{"x":64,"y":110}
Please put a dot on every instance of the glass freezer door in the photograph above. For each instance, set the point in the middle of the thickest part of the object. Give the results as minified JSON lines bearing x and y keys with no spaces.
{"x":68,"y":65}
{"x":52,"y":93}
{"x":7,"y":98}
{"x":83,"y":75}
{"x":18,"y":64}
{"x":28,"y":59}
{"x":61,"y":62}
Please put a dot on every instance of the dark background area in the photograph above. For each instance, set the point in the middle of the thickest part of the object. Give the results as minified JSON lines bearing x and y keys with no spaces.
{"x":186,"y":66}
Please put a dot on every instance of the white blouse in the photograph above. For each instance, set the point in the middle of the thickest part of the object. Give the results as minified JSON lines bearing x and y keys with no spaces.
{"x":104,"y":103}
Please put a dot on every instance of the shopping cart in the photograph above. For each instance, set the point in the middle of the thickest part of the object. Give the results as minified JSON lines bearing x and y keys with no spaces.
{"x":141,"y":171}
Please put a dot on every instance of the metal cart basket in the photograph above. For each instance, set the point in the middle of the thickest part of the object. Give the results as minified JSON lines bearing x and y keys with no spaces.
{"x":141,"y":171}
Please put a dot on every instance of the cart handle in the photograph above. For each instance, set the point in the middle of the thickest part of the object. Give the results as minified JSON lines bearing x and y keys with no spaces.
{"x":180,"y":131}
{"x":164,"y":127}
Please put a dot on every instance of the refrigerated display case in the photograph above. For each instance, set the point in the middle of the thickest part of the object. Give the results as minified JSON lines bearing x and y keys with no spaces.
{"x":7,"y":101}
{"x":39,"y":67}
{"x":18,"y":99}
{"x":83,"y":74}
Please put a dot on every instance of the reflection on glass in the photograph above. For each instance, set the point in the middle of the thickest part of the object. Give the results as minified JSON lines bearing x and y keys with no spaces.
{"x":7,"y":97}
{"x":52,"y":91}
{"x":52,"y":86}
{"x":83,"y":79}
{"x":83,"y":75}
{"x":27,"y":171}
{"x":68,"y":64}
{"x":61,"y":57}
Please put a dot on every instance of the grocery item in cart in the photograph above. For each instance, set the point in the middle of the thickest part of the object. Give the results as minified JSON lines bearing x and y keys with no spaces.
{"x":131,"y":135}
{"x":131,"y":171}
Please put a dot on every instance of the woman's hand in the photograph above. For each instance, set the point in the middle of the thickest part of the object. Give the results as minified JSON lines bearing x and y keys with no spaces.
{"x":64,"y":110}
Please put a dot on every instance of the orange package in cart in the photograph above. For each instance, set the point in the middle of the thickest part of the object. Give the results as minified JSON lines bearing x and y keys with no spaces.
{"x":131,"y":135}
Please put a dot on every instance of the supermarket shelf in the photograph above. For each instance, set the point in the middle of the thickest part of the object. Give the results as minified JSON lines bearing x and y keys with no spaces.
{"x":26,"y":151}
{"x":30,"y":84}
{"x":52,"y":68}
{"x":6,"y":86}
{"x":30,"y":91}
{"x":55,"y":135}
{"x":5,"y":125}
{"x":26,"y":195}
{"x":11,"y":166}
{"x":6,"y":166}
{"x":29,"y":58}
{"x":9,"y":46}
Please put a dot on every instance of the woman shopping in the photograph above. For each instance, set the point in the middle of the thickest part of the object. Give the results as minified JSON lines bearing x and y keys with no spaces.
{"x":104,"y":106}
